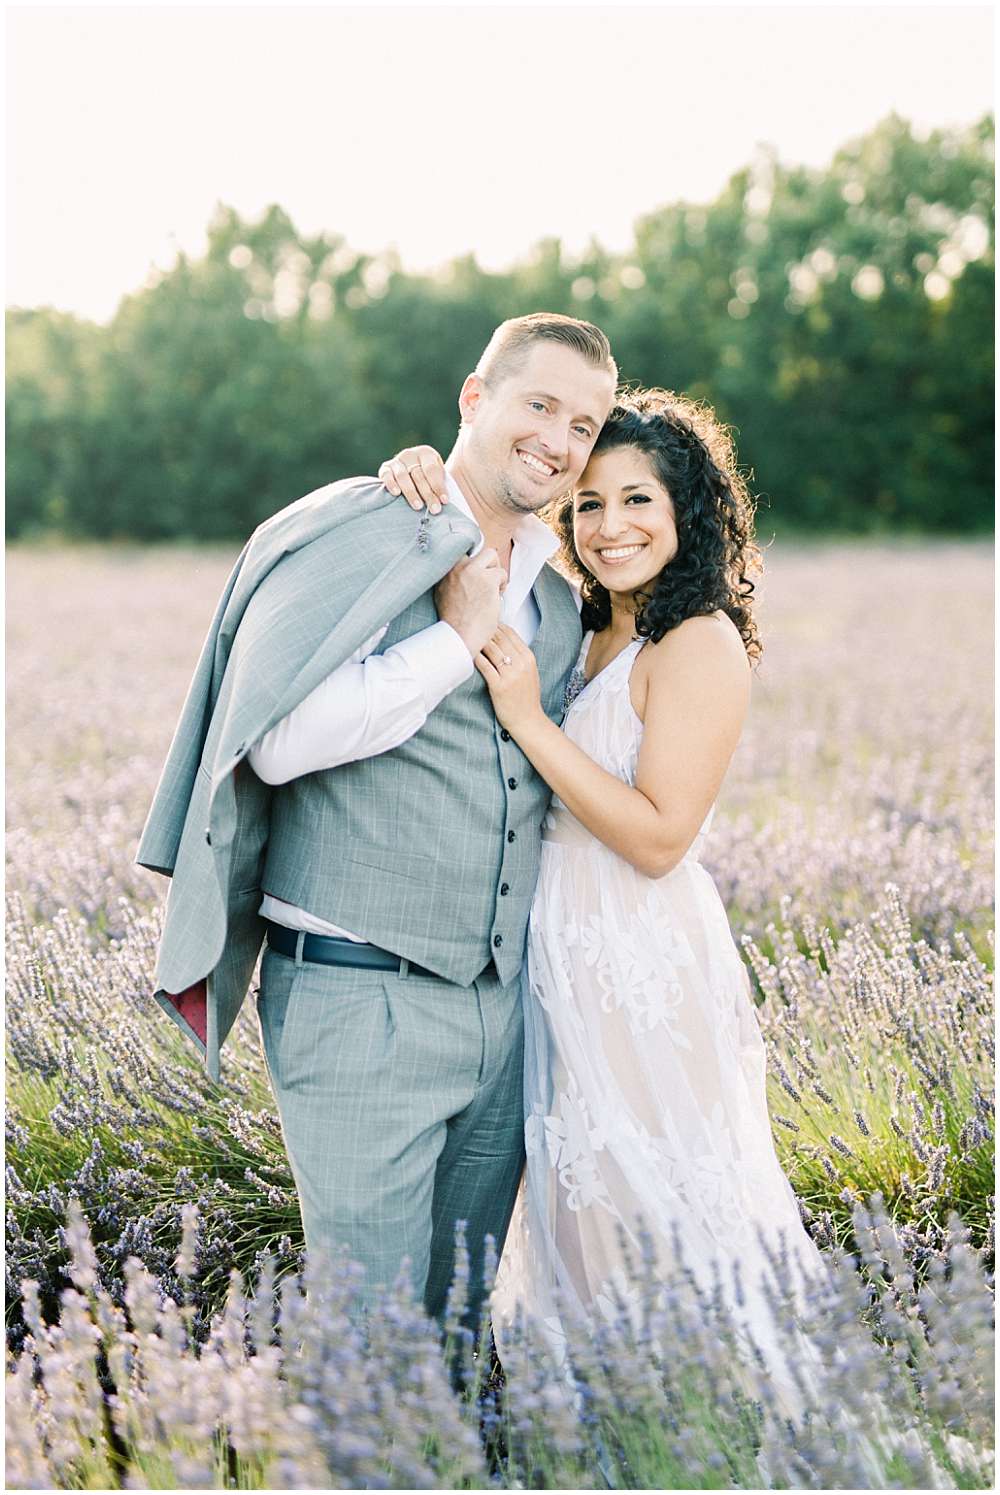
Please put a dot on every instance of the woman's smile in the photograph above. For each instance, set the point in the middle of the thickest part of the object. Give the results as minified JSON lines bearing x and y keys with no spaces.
{"x":623,"y":520}
{"x":614,"y":556}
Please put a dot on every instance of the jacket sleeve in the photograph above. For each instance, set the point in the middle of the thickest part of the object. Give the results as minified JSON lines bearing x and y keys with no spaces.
{"x":161,"y":835}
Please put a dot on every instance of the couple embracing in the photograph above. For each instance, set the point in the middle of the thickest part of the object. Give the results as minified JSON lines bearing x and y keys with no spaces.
{"x":465,"y":823}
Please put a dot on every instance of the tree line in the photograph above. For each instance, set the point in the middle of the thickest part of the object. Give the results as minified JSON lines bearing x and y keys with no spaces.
{"x":841,"y":320}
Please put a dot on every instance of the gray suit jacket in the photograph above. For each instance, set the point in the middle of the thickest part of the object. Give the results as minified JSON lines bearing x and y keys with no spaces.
{"x":311,"y":585}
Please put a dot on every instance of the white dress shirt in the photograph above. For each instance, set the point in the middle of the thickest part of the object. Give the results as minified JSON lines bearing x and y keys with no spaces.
{"x":374,"y":702}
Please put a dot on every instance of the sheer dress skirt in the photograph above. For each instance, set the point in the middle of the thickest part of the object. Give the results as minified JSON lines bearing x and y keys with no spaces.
{"x":644,"y":1082}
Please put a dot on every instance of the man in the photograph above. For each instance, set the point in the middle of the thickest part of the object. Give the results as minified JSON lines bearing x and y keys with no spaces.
{"x":385,"y":834}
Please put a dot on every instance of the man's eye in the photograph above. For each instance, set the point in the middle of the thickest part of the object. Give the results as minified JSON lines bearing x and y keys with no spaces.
{"x":583,"y":431}
{"x":536,"y":404}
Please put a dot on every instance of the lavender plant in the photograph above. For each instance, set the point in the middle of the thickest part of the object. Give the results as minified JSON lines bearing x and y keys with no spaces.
{"x":296,"y":1388}
{"x":853,"y":849}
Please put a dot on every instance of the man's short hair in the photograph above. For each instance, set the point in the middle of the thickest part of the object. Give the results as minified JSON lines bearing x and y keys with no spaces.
{"x":511,"y":343}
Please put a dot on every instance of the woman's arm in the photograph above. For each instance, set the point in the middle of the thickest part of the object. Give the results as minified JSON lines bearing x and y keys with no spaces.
{"x":696,"y":701}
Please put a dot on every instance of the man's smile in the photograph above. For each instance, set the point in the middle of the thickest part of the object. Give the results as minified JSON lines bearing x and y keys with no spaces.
{"x":536,"y":464}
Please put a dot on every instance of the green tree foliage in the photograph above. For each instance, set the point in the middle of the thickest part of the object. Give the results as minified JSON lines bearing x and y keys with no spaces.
{"x":841,"y":320}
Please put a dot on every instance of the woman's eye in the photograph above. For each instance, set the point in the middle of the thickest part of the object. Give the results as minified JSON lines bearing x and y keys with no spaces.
{"x":586,"y":506}
{"x":638,"y":498}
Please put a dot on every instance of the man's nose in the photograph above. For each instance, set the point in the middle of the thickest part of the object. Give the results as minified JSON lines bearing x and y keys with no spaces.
{"x":555,"y":439}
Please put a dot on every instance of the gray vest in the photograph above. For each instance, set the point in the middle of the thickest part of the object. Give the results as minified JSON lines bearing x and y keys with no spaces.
{"x":430,"y":850}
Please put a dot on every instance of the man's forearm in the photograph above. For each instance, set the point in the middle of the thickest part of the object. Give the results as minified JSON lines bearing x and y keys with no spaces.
{"x":371,"y":704}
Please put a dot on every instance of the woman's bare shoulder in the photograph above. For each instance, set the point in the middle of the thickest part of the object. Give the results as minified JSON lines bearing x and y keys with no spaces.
{"x":711,"y":642}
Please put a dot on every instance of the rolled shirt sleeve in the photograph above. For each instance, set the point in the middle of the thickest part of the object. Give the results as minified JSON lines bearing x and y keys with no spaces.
{"x":370,"y":704}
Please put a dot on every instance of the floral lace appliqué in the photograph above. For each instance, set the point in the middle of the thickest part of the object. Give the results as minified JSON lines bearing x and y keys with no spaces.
{"x":576,"y":682}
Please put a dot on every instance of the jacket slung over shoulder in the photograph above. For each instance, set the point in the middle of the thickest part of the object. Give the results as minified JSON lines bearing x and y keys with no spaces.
{"x":313,"y":582}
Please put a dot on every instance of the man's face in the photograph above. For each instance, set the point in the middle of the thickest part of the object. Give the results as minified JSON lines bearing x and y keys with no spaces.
{"x":528,"y":436}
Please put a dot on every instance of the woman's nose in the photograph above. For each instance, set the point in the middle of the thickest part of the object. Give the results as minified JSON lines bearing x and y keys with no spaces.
{"x":612,"y":524}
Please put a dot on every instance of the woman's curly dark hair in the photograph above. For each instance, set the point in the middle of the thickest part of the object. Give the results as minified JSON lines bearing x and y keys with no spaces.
{"x":694,"y":459}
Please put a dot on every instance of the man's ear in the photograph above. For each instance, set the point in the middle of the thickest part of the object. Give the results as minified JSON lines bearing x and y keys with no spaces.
{"x":470,"y":396}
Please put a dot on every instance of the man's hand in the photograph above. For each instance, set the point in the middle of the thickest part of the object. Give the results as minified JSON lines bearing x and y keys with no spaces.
{"x":469,"y":598}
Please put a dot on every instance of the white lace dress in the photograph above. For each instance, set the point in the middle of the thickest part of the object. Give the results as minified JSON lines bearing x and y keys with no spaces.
{"x":644,"y":1065}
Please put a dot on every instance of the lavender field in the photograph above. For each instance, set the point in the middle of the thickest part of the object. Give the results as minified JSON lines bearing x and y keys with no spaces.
{"x":158,"y":1332}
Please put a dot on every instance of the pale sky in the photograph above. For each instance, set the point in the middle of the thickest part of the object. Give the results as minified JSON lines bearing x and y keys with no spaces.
{"x":437,"y":129}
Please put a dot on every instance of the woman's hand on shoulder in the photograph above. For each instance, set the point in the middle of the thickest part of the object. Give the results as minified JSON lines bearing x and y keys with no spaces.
{"x":416,"y":474}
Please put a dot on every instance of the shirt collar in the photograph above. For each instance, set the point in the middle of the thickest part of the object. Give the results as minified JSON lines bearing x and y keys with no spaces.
{"x":532,"y":537}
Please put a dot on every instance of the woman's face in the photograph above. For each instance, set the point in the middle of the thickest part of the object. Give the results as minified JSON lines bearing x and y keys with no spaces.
{"x":623,"y":520}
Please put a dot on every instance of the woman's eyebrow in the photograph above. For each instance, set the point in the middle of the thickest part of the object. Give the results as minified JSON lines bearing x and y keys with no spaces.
{"x":593,"y":492}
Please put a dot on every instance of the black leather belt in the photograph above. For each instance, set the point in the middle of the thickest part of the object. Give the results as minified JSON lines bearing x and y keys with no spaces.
{"x":327,"y":950}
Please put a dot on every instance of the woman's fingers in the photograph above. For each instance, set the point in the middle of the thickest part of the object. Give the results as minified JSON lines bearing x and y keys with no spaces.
{"x":424,"y":486}
{"x":387,"y":478}
{"x":509,"y":641}
{"x":496,"y":653}
{"x":486,"y":668}
{"x":416,"y":474}
{"x":425,"y":471}
{"x":432,"y":473}
{"x":395,"y":476}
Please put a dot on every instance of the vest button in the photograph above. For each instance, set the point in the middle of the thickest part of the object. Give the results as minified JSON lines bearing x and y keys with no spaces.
{"x":512,"y":835}
{"x":504,"y":735}
{"x":497,"y":941}
{"x":511,"y":783}
{"x":208,"y":838}
{"x":504,"y":889}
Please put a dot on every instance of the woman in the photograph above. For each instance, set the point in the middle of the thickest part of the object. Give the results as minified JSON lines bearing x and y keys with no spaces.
{"x":645,"y":1069}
